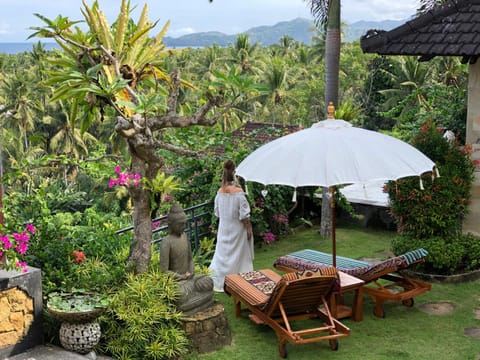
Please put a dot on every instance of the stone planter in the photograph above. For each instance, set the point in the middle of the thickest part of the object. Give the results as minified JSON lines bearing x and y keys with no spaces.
{"x":80,"y":331}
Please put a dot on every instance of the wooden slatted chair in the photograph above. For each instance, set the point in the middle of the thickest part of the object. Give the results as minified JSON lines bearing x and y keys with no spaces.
{"x":279,"y":301}
{"x":384,"y":281}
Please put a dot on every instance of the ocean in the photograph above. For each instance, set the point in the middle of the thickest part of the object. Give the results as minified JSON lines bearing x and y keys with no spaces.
{"x":19,"y":47}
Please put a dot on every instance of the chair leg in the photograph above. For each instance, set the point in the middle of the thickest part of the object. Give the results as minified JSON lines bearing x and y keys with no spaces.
{"x":282,"y":347}
{"x":238,"y":307}
{"x":378,"y":311}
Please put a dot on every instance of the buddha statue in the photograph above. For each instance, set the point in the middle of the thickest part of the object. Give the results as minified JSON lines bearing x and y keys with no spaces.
{"x":196,"y":291}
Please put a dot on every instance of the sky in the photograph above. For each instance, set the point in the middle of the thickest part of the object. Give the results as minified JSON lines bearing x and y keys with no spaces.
{"x":192,"y":16}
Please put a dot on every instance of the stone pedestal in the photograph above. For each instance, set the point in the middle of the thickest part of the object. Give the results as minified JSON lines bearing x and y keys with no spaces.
{"x":21,"y":310}
{"x":208,"y":330}
{"x":81,"y":338}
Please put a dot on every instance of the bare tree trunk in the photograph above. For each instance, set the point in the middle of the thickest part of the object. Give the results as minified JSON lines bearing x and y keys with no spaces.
{"x":141,"y":245}
{"x":146,"y":163}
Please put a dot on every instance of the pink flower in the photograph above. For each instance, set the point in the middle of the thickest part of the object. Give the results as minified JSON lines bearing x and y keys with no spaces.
{"x":280,"y":218}
{"x":31,"y":228}
{"x":22,"y":265}
{"x":118,"y":169}
{"x":6,"y":242}
{"x":11,"y":246}
{"x":268,"y":238}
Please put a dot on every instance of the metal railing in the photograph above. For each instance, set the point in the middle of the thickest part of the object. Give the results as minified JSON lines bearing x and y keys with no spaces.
{"x":197,"y":225}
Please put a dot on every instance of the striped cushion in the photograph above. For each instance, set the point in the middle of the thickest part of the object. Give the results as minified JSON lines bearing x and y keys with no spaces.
{"x":413,"y":256}
{"x":307,"y":259}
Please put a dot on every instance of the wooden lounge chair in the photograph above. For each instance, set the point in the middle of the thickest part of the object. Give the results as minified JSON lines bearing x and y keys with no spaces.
{"x":278,"y":301}
{"x":384,"y":281}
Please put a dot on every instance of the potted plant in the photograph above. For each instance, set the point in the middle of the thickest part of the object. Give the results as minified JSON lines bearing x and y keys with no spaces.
{"x":78,"y":312}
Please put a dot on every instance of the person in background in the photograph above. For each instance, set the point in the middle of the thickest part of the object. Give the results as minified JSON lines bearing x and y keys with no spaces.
{"x":234,"y":247}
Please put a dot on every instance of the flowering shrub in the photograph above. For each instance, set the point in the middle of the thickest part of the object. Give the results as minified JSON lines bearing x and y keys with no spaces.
{"x":14,"y":246}
{"x":267,"y":238}
{"x":432,"y":217}
{"x":439,"y":208}
{"x":280,"y":218}
{"x":124,"y":178}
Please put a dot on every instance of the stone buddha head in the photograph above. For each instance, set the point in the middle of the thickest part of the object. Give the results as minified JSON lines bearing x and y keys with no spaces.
{"x":176,"y":220}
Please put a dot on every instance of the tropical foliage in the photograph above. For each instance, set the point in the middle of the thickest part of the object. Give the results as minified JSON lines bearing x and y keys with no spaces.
{"x":70,"y":117}
{"x":430,"y":214}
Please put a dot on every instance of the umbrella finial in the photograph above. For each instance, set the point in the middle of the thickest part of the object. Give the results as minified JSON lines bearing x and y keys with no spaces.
{"x":331,"y":110}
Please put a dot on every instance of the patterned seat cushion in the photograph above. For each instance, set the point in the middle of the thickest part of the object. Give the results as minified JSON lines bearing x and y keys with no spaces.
{"x":255,"y":287}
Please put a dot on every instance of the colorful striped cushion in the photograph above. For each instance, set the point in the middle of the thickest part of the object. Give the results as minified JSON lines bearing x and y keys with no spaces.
{"x":413,"y":256}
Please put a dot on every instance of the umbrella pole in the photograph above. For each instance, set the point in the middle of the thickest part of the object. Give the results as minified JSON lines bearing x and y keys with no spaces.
{"x":332,"y":216}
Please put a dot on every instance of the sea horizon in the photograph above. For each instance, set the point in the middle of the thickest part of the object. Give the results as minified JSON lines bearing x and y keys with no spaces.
{"x":16,"y":47}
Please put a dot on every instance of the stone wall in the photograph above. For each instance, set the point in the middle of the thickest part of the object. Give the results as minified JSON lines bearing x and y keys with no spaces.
{"x":21,"y":309}
{"x":16,"y":316}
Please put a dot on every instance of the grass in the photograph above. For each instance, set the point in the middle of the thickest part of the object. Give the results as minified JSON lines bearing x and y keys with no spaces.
{"x":404,"y":333}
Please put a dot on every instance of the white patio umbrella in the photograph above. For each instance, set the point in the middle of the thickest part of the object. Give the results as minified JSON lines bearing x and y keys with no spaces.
{"x":333,"y":152}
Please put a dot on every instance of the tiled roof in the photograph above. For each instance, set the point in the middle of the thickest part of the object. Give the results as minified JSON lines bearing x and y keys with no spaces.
{"x":452,"y":29}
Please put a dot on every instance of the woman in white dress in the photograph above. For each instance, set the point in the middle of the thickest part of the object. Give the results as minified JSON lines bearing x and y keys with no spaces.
{"x":234,"y":248}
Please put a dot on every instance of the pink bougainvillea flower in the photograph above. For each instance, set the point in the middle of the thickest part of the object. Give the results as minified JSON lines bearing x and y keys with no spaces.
{"x":31,"y":228}
{"x":21,"y":265}
{"x":7,"y":244}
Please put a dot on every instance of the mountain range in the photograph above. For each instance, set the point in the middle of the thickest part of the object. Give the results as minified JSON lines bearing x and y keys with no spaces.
{"x":300,"y":29}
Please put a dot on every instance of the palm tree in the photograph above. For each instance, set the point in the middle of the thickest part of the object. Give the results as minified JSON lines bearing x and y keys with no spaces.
{"x":327,"y":14}
{"x":21,"y":102}
{"x":244,"y":54}
{"x":69,"y":139}
{"x":407,"y":75}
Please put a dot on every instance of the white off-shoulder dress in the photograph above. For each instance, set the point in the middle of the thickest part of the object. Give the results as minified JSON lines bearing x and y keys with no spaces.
{"x":233,"y":251}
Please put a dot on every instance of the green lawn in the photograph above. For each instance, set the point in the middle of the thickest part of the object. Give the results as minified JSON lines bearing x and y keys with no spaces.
{"x":404,"y":333}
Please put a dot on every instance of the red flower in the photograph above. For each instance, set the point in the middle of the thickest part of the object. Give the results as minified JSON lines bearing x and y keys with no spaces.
{"x":78,"y":256}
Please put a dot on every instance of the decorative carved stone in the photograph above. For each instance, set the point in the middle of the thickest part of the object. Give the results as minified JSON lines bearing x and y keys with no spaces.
{"x":208,"y":330}
{"x":80,"y":338}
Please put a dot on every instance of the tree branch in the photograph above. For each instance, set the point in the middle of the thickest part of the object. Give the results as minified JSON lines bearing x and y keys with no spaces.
{"x":176,"y":149}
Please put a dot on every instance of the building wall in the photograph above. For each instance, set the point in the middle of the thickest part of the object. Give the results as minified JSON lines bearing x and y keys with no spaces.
{"x":472,"y":221}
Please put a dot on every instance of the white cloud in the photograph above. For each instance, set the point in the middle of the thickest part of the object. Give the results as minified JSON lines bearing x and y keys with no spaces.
{"x":5,"y":29}
{"x":179,"y":32}
{"x":377,"y":10}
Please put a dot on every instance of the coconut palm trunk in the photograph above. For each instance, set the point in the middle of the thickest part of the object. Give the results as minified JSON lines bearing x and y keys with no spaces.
{"x":327,"y":13}
{"x":332,"y":54}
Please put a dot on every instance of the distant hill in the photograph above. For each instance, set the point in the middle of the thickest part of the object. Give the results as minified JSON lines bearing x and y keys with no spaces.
{"x":354,"y":31}
{"x":300,"y":29}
